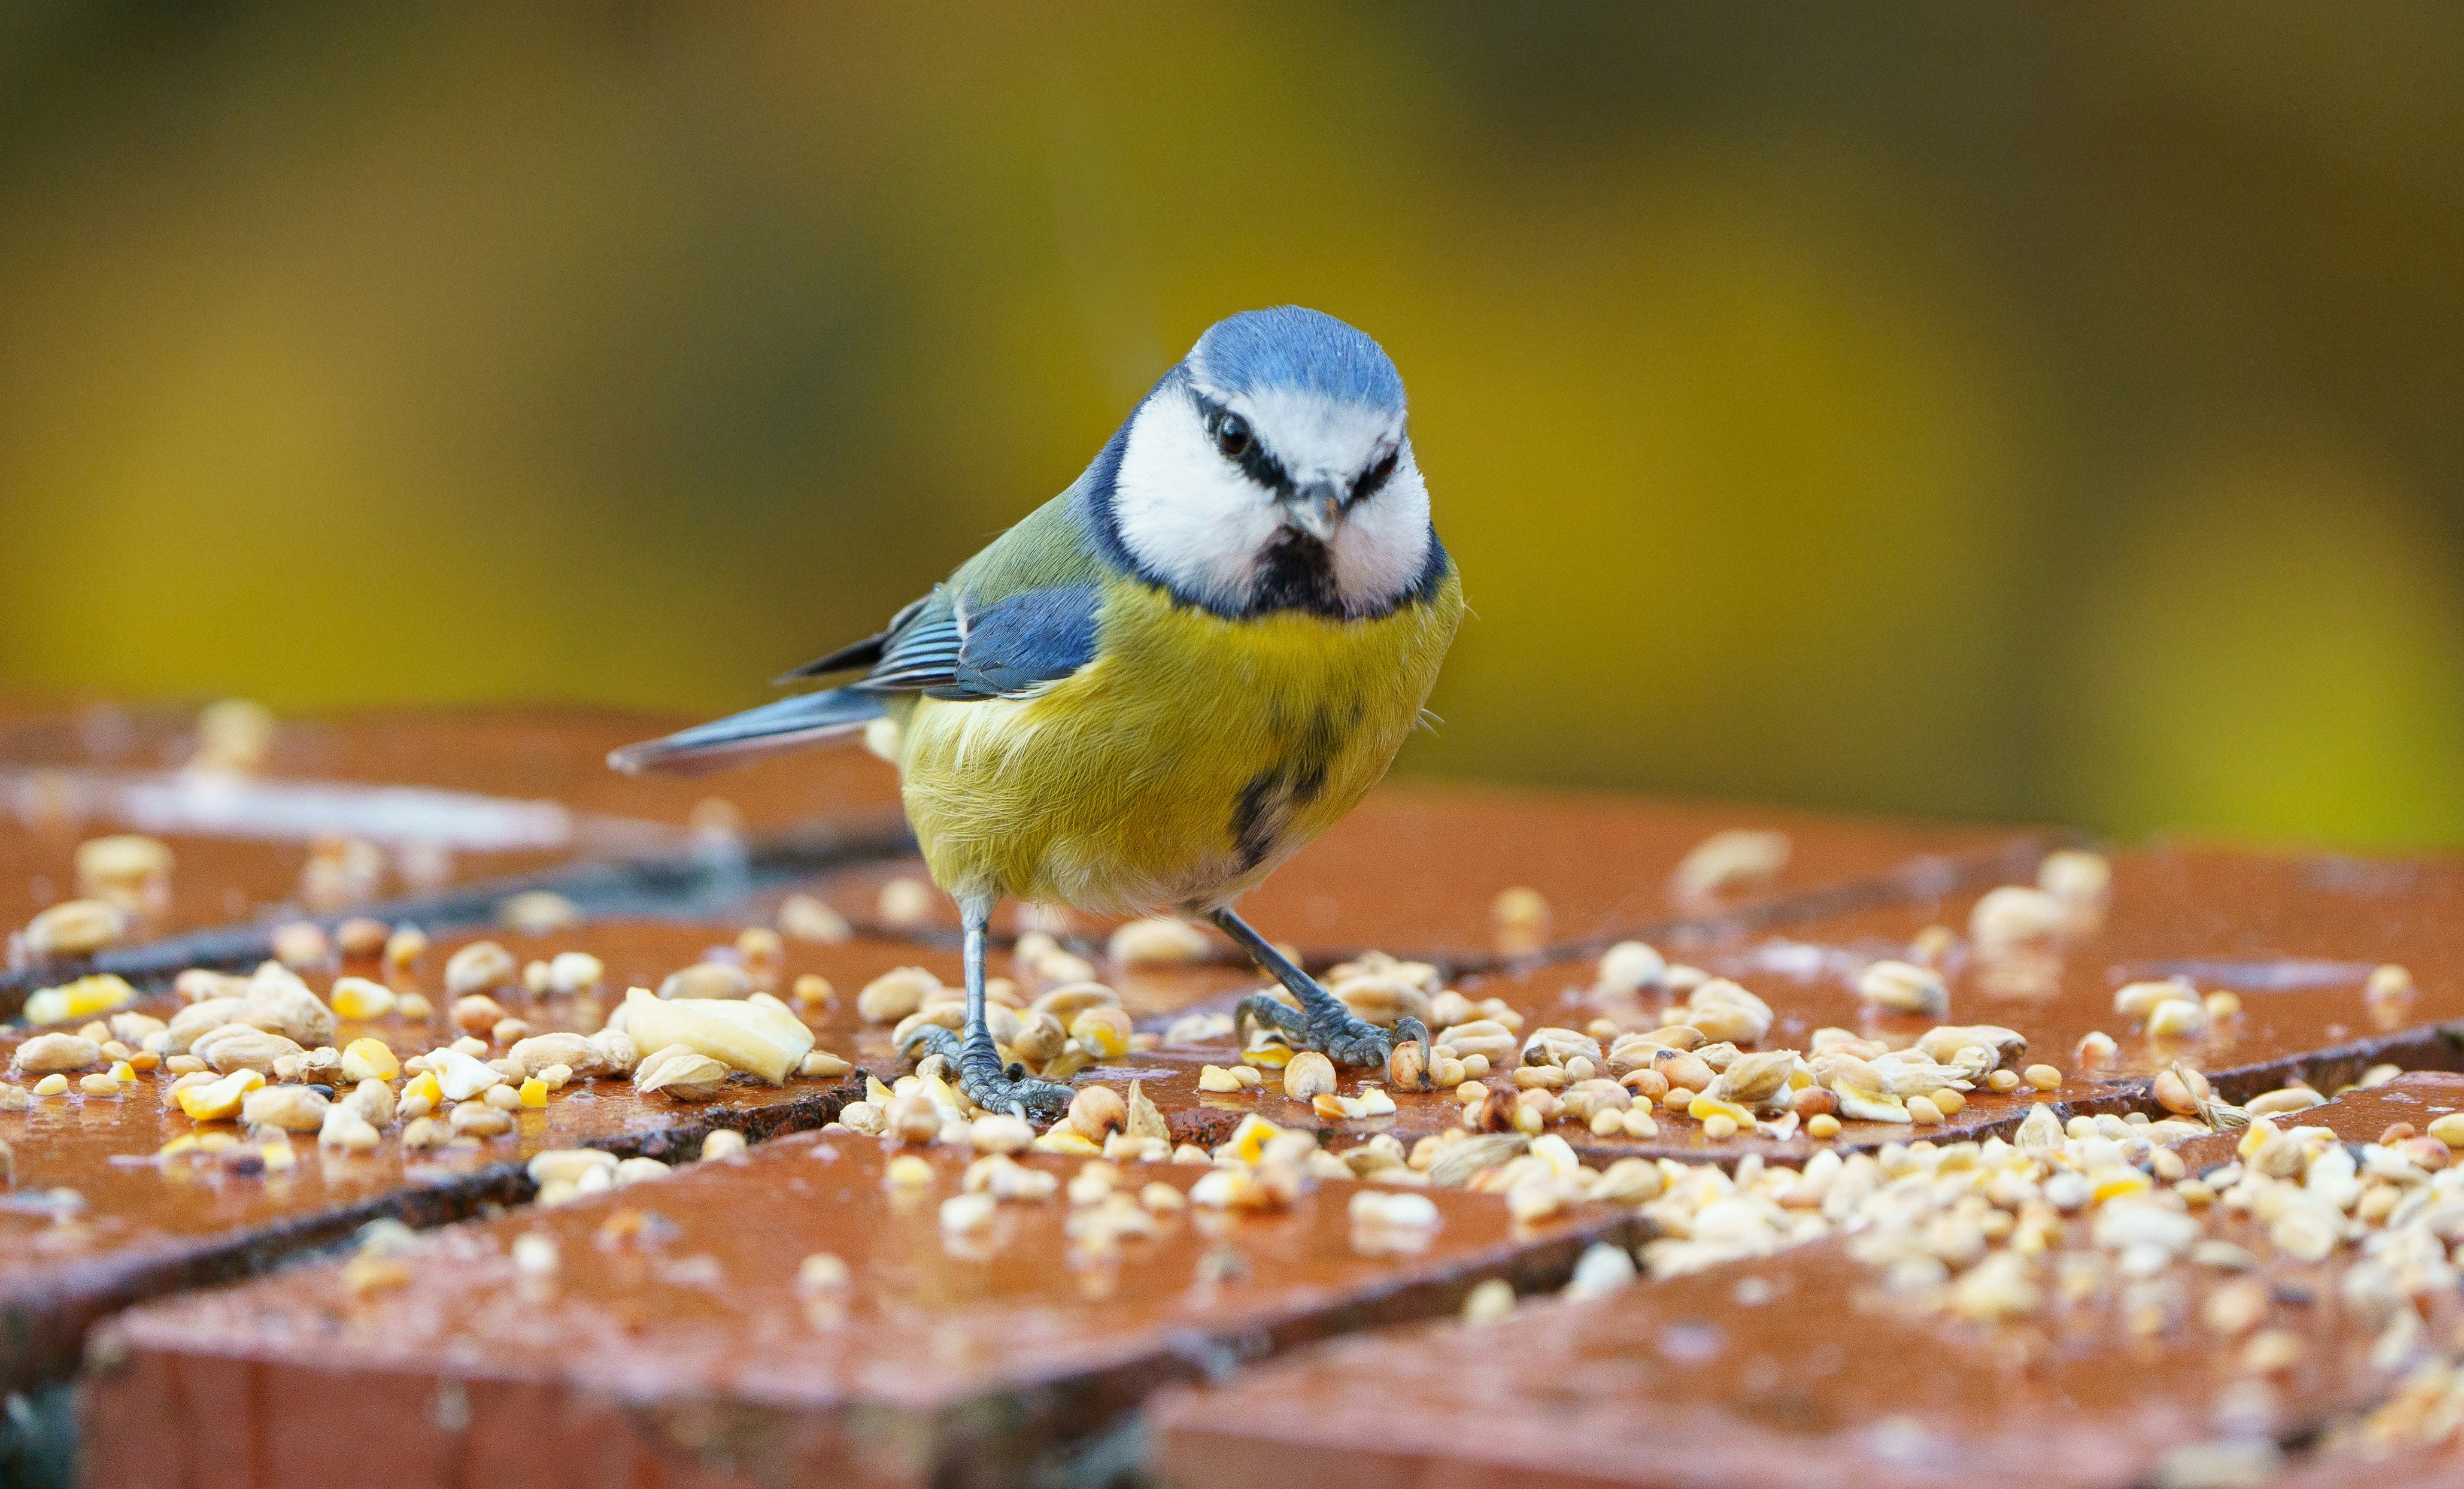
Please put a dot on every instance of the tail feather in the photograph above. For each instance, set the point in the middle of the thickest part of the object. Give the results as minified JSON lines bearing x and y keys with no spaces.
{"x":740,"y":739}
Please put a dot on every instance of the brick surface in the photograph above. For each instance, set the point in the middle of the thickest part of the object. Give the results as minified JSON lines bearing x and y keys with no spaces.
{"x":531,"y":796}
{"x":687,"y":1358}
{"x":1395,"y":876}
{"x":1771,"y":1371}
{"x":2295,"y":937}
{"x":2416,"y":1099}
{"x":671,"y":1346}
{"x":1759,"y":1374}
{"x":96,"y":1220}
{"x":137,"y":1227}
{"x":643,"y":953}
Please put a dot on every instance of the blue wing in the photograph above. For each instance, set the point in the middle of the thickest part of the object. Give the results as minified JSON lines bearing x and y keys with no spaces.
{"x":919,"y":655}
{"x":1024,"y":643}
{"x":1012,"y":646}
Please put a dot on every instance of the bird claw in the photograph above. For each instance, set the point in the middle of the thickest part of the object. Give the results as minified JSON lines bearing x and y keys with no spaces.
{"x":1010,"y":1091}
{"x":926,"y":1039}
{"x":1334,"y":1030}
{"x":1037,"y":1103}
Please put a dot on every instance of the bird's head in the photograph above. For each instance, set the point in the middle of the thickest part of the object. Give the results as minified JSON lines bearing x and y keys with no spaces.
{"x":1273,"y":470}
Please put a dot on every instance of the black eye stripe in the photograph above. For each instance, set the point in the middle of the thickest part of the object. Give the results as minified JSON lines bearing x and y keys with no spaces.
{"x":1261,"y":466}
{"x":1253,"y":460}
{"x":1373,"y":478}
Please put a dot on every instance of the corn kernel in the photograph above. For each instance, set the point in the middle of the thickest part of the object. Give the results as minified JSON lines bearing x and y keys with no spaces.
{"x":357,"y":997}
{"x":369,"y":1059}
{"x":426,"y":1086}
{"x":83,"y":998}
{"x":534,"y":1092}
{"x":220,"y":1099}
{"x":1250,"y":1139}
{"x":1104,"y":1031}
{"x":51,"y":1084}
{"x":1704,"y":1107}
{"x":1822,"y":1124}
{"x":123,"y":1072}
{"x":2117,"y":1181}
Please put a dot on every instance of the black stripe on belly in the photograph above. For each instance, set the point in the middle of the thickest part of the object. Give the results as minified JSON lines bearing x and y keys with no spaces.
{"x":1296,"y":781}
{"x":1253,"y":834}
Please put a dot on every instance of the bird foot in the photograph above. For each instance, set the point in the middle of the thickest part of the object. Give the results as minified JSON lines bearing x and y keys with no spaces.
{"x":1010,"y":1091}
{"x":1333,"y":1030}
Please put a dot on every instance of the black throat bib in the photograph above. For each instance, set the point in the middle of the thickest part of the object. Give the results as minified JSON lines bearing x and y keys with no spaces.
{"x":1296,"y":573}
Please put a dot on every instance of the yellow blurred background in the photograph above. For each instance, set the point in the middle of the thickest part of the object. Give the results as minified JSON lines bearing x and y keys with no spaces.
{"x":2021,"y":411}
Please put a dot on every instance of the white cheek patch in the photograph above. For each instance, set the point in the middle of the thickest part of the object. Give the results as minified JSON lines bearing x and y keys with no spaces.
{"x":1184,"y":512}
{"x":1383,"y":545}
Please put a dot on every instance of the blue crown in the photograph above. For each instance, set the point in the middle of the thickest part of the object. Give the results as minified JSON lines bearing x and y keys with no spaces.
{"x":1290,"y":348}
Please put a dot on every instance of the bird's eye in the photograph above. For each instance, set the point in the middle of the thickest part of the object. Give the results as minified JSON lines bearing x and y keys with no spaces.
{"x":1232,"y":437}
{"x":1373,"y":477}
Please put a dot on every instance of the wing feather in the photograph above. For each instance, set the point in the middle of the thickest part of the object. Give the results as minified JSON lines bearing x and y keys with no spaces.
{"x":922,"y":656}
{"x":789,"y":724}
{"x":1026,"y":643}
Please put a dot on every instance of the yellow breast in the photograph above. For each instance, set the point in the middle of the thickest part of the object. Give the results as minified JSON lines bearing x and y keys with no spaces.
{"x":1181,"y":767}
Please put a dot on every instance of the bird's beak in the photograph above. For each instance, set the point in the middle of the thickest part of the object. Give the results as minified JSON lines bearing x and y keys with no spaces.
{"x":1315,"y":509}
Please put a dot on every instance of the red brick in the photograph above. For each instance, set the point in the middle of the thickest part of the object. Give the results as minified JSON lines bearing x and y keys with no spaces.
{"x":1690,"y":1382}
{"x":692,"y":1361}
{"x":1417,"y":868}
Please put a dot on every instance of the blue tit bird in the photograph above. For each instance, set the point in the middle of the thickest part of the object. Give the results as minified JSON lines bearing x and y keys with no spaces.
{"x":1165,"y":682}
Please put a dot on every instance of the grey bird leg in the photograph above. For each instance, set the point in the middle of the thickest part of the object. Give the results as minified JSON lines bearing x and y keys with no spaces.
{"x":1321,"y":1023}
{"x":977,"y":1059}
